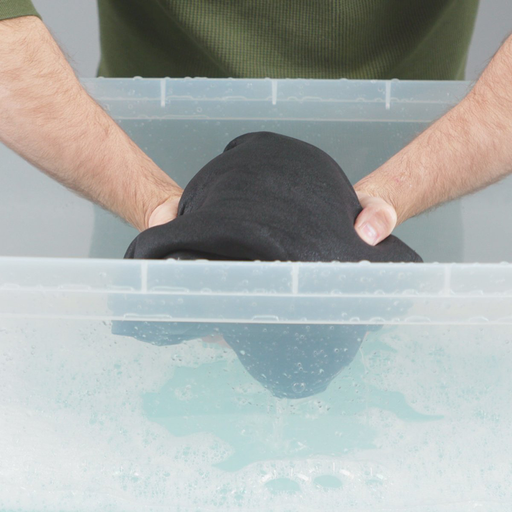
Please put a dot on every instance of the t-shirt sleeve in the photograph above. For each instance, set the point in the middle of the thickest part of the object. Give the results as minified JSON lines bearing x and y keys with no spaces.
{"x":17,"y":8}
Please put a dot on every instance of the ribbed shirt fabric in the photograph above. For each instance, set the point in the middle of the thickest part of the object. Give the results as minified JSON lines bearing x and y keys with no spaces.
{"x":365,"y":39}
{"x":16,"y":8}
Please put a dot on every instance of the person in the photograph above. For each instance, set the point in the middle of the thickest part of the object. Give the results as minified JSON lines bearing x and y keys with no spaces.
{"x":50,"y":120}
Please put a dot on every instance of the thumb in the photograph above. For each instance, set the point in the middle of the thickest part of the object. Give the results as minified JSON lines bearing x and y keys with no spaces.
{"x":376,"y":221}
{"x":165,"y":212}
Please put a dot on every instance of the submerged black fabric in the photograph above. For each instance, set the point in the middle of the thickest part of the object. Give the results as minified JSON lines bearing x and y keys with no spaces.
{"x":267,"y":197}
{"x":295,"y":361}
{"x":291,"y":361}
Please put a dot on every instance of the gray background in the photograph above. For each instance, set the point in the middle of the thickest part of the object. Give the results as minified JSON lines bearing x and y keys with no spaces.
{"x":74,"y":23}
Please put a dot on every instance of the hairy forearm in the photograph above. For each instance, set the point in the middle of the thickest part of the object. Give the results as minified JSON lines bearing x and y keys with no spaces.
{"x":464,"y":151}
{"x":49,"y":119}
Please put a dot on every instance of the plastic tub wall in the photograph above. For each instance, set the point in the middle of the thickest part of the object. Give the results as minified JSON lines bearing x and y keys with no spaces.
{"x":103,"y":408}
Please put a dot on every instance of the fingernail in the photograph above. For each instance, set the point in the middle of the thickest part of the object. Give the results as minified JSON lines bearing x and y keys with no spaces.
{"x":368,"y":234}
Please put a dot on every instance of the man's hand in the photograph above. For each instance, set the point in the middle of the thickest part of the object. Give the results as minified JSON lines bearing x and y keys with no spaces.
{"x":165,"y":212}
{"x":466,"y":150}
{"x":377,"y":220}
{"x":49,"y":119}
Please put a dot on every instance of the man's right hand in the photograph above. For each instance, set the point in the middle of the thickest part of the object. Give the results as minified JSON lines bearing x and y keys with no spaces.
{"x":48,"y":118}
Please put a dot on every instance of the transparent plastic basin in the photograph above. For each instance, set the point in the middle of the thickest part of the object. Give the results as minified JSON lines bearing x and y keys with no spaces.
{"x":248,"y":386}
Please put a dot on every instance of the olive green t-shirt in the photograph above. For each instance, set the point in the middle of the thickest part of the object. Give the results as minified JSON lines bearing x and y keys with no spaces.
{"x":367,"y":39}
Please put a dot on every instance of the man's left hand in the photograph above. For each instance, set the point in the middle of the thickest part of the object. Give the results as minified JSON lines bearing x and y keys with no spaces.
{"x":377,"y":220}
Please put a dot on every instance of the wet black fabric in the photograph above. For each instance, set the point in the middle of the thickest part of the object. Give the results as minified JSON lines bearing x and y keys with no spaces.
{"x":290,"y":360}
{"x":295,"y":361}
{"x":266,"y":197}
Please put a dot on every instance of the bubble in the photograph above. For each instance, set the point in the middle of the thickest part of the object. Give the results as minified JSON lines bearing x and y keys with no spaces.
{"x":328,"y":481}
{"x":299,"y":387}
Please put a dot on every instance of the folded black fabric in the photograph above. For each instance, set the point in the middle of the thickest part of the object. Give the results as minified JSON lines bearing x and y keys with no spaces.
{"x":268,"y":197}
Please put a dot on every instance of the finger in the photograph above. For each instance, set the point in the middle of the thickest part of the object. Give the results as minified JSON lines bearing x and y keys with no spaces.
{"x":164,"y":213}
{"x":376,"y":221}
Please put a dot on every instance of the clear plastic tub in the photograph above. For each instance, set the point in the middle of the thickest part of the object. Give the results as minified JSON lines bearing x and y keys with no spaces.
{"x":104,"y":407}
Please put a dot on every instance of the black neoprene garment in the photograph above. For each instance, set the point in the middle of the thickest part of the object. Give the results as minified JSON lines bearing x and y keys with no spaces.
{"x":268,"y":197}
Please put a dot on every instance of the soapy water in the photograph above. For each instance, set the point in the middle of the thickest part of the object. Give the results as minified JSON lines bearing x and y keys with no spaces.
{"x":420,"y":421}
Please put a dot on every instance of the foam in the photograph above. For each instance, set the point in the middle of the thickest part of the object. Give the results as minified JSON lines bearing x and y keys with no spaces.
{"x":420,"y":422}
